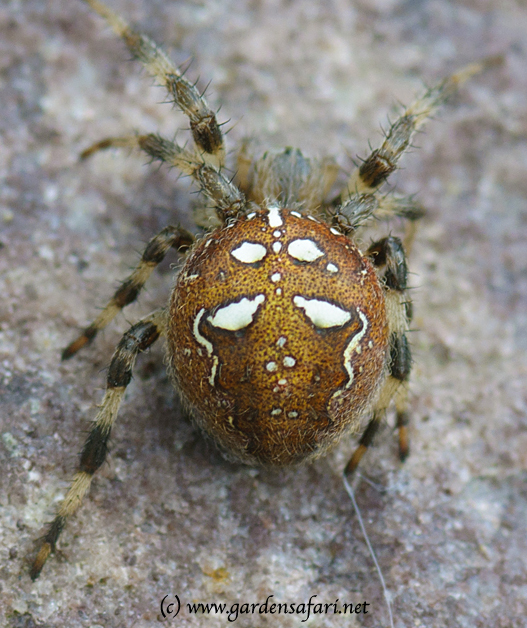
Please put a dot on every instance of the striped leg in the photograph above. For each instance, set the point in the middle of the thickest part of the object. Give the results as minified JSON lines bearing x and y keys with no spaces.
{"x":138,"y":338}
{"x":378,"y":166}
{"x":203,"y":123}
{"x":401,"y":403}
{"x":226,"y":197}
{"x":154,"y":253}
{"x":389,"y":258}
{"x":352,"y":214}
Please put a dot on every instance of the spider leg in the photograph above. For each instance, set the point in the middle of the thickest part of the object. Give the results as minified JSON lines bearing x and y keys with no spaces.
{"x":362,"y":187}
{"x":391,"y":206}
{"x":153,"y":254}
{"x":203,"y":123}
{"x":138,"y":338}
{"x":245,"y":160}
{"x":382,"y":161}
{"x":360,"y":207}
{"x":401,"y":403}
{"x":226,"y":197}
{"x":126,"y":141}
{"x":389,"y":259}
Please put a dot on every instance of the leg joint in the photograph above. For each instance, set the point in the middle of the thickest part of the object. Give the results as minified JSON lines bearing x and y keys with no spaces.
{"x":389,"y":252}
{"x":95,"y":450}
{"x":400,"y":357}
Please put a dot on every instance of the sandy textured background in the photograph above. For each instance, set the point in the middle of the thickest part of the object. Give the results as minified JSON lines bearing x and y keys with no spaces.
{"x":168,"y":515}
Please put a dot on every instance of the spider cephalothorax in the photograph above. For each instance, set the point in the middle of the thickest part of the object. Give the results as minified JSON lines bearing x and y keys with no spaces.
{"x":281,"y":334}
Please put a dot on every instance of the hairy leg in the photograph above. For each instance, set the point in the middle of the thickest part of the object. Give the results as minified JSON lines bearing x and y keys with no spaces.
{"x":203,"y":123}
{"x":138,"y":338}
{"x":389,"y":258}
{"x":378,"y":166}
{"x":227,"y":199}
{"x":154,"y":253}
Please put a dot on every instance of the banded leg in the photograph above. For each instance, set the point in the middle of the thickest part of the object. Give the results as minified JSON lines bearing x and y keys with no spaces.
{"x":154,"y":253}
{"x":365,"y":441}
{"x":227,"y":199}
{"x":389,"y":258}
{"x":378,"y":166}
{"x":406,"y":207}
{"x":401,"y":405}
{"x":245,"y":160}
{"x":203,"y":123}
{"x":138,"y":338}
{"x":352,"y":214}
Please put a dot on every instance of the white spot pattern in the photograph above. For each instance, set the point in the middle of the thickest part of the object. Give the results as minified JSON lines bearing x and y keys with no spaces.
{"x":275,"y":218}
{"x":304,"y":250}
{"x":236,"y":315}
{"x":249,"y":252}
{"x":322,"y":313}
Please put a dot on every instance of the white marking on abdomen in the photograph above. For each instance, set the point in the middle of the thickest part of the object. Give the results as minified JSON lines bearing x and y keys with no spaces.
{"x":353,"y":345}
{"x":304,"y":250}
{"x":249,"y":252}
{"x":205,"y":343}
{"x":275,"y":219}
{"x":236,"y":315}
{"x":277,"y":247}
{"x":276,"y":277}
{"x":332,"y":268}
{"x":322,"y":313}
{"x":197,"y":335}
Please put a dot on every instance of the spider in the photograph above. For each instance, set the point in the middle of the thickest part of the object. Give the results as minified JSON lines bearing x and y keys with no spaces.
{"x":281,"y":334}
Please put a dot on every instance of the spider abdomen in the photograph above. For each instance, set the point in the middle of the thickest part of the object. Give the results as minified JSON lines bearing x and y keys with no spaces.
{"x":277,"y":336}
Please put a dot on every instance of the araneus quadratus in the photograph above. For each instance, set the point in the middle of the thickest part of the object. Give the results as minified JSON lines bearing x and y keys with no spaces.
{"x":281,"y":333}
